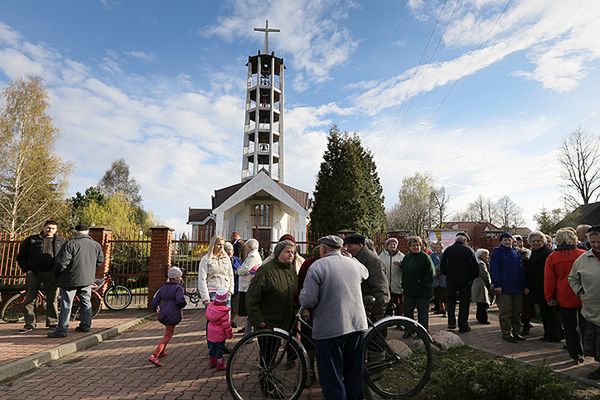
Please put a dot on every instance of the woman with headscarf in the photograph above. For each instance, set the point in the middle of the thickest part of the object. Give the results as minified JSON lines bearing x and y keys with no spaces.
{"x":558,"y":293}
{"x":585,"y":282}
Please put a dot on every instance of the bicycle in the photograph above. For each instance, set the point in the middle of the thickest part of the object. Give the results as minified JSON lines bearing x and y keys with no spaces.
{"x":192,"y":295}
{"x":116,"y":297}
{"x":12,"y":311}
{"x":273,"y":363}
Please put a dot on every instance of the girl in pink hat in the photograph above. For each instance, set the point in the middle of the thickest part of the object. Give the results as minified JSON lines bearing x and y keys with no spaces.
{"x":219,"y":328}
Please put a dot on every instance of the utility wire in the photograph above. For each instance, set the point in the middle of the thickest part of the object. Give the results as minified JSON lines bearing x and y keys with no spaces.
{"x":414,"y":75}
{"x":458,"y":80}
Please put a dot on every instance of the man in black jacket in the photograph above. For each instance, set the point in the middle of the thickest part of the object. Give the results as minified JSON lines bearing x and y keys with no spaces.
{"x":76,"y":269}
{"x":36,"y":259}
{"x":376,"y":284}
{"x":459,"y":265}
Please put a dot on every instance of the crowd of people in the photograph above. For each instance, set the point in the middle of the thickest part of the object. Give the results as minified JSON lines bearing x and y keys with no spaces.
{"x":559,"y":276}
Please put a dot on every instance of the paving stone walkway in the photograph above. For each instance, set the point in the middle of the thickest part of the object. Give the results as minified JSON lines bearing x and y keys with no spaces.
{"x":118,"y":368}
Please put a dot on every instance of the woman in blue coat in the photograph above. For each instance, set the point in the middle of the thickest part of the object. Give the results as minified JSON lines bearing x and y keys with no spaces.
{"x":510,"y":284}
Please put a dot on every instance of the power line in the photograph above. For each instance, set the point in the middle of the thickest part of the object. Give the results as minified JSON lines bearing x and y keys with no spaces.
{"x":457,"y":80}
{"x":414,"y":75}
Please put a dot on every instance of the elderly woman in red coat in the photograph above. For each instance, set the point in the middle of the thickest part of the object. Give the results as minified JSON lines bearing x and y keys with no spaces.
{"x":558,"y":292}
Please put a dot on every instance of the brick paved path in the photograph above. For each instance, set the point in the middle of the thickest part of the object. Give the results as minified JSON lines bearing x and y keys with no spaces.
{"x":14,"y":346}
{"x":118,"y":368}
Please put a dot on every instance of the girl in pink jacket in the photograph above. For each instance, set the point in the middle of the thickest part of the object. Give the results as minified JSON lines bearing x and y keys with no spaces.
{"x":219,"y":328}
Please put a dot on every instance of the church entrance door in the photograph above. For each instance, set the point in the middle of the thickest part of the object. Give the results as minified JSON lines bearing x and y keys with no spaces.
{"x":263,"y":235}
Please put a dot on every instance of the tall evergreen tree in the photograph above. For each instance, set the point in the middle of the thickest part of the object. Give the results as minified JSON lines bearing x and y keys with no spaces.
{"x":33,"y":178}
{"x":348,"y":194}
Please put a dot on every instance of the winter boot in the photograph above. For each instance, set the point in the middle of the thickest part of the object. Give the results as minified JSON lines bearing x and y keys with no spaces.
{"x":213,"y":362}
{"x":221,"y":364}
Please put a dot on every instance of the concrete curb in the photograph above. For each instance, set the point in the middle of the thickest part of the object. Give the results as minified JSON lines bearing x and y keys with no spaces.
{"x":36,"y":360}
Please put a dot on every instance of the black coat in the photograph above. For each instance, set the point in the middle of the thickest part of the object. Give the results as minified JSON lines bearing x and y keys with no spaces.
{"x":459,"y":265}
{"x":376,"y":284}
{"x":31,"y":255}
{"x":534,"y":269}
{"x":77,"y":261}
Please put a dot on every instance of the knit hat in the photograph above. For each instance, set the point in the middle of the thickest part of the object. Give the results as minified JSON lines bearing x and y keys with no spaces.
{"x":221,"y":295}
{"x":505,"y":235}
{"x":82,"y":228}
{"x":289,"y":237}
{"x":354,"y":239}
{"x":174,"y":272}
{"x":391,"y":240}
{"x":281,"y":246}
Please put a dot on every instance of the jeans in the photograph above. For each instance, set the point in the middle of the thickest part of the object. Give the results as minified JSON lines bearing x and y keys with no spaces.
{"x":464,"y":296}
{"x":66,"y":303}
{"x":422,"y":306}
{"x":340,"y":362}
{"x":34,"y":282}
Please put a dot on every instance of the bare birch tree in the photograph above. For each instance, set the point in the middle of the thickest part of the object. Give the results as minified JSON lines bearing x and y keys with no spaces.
{"x":32,"y":178}
{"x":580,"y":162}
{"x":509,"y":213}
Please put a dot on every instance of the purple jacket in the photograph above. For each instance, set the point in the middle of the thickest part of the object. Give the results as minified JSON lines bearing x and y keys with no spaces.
{"x":170,"y":299}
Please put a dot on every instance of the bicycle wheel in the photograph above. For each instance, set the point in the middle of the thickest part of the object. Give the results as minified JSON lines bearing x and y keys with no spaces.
{"x":398,"y":359}
{"x":267,"y":364}
{"x":12,"y":311}
{"x":117,"y":298}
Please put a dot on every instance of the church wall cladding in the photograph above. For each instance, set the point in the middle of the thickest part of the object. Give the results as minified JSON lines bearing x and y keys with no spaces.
{"x":137,"y":260}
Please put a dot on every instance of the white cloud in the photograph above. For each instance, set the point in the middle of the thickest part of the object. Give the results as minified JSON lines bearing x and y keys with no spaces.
{"x":140,"y":55}
{"x":8,"y":35}
{"x":310,"y":32}
{"x":560,"y":38}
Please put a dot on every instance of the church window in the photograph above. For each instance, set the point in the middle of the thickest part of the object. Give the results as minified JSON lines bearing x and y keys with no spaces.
{"x":262,"y":215}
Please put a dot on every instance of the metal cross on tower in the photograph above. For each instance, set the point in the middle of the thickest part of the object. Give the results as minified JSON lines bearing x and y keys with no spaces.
{"x":266,"y":30}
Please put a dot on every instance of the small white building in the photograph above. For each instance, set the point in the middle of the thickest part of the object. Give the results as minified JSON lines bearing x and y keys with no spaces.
{"x":261,"y":205}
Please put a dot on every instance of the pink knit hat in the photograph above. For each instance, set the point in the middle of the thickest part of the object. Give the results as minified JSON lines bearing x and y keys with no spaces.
{"x":222,"y":295}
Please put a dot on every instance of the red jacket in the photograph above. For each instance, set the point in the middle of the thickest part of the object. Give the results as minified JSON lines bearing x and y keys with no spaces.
{"x":557,"y":269}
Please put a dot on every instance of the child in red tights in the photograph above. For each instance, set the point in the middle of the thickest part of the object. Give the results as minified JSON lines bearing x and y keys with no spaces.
{"x":169,"y":300}
{"x":219,"y":328}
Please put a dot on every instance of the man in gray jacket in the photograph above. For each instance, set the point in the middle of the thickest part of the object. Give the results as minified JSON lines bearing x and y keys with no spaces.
{"x":377,"y":285}
{"x":330,"y":291}
{"x":76,"y":270}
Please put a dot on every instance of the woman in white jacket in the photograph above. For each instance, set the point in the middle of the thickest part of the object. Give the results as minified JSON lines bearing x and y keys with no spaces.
{"x":246,"y":272}
{"x":215,"y":271}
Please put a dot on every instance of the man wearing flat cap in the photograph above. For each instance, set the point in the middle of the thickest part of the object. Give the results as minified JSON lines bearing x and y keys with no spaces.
{"x":339,"y":319}
{"x":377,"y":284}
{"x":76,"y":269}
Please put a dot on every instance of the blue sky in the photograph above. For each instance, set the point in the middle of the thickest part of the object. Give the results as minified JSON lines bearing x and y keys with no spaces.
{"x":162,"y":84}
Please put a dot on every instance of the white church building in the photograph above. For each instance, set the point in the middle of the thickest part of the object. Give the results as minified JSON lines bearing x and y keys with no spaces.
{"x":261,"y":205}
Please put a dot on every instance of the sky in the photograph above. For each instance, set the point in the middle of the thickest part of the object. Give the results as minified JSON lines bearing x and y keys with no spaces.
{"x":479,"y":93}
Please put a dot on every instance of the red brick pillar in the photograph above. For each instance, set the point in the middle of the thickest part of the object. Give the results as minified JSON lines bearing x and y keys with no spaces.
{"x":160,"y":258}
{"x":102,"y":236}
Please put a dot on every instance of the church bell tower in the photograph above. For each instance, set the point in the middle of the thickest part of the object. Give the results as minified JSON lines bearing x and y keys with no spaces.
{"x":263,"y":126}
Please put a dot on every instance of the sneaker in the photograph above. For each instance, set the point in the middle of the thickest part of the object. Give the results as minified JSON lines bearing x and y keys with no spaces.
{"x":26,"y":329}
{"x":80,"y":329}
{"x":519,"y":337}
{"x":55,"y":335}
{"x":154,"y":360}
{"x":464,"y":330}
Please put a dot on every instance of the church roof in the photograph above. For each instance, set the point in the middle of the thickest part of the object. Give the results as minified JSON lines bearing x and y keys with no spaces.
{"x":221,"y":195}
{"x":198,"y":214}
